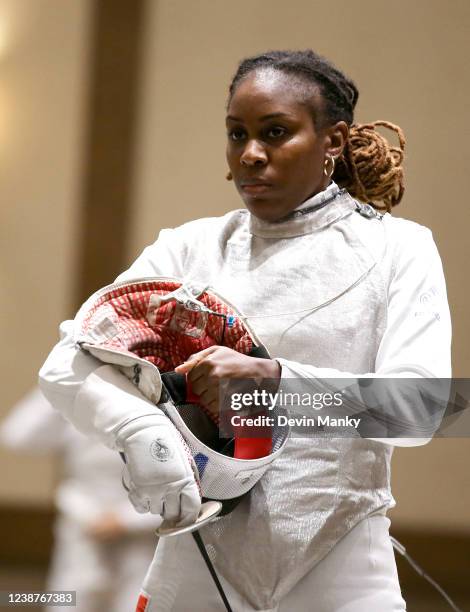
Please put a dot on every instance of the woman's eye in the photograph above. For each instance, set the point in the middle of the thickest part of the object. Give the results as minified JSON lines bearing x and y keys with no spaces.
{"x":236,"y":134}
{"x":276,"y":132}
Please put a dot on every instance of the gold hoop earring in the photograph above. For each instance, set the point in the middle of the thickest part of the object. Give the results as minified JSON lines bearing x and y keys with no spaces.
{"x":229,"y":176}
{"x":329,"y":159}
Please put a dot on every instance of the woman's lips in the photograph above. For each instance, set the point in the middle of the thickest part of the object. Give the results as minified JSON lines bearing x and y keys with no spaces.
{"x":256,"y":188}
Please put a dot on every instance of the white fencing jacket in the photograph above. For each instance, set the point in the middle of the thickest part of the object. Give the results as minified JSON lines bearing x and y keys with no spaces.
{"x":334,"y":290}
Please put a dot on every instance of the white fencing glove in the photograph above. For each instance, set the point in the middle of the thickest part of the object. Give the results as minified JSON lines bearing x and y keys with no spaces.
{"x":162,"y":473}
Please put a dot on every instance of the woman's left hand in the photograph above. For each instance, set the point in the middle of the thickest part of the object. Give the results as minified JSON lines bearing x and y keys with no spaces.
{"x":209,"y":367}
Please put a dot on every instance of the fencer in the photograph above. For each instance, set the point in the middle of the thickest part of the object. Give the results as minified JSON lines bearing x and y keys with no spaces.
{"x":333,"y":289}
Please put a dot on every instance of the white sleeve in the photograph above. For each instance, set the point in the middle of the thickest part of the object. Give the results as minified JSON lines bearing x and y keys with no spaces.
{"x":417,"y":339}
{"x":165,"y":257}
{"x":33,"y":426}
{"x":66,"y":369}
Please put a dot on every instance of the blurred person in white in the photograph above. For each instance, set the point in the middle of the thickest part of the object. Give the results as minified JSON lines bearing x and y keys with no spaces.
{"x":102,"y":547}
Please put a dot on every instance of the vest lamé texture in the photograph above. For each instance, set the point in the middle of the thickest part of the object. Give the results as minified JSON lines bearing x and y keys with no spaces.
{"x":319,"y":488}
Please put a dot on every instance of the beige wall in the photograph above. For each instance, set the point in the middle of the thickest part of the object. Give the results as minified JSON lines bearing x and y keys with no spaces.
{"x":43,"y":61}
{"x":409,"y":59}
{"x":410,"y":62}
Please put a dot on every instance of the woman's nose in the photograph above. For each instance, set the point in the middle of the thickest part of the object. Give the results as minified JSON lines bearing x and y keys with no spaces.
{"x":253,"y":154}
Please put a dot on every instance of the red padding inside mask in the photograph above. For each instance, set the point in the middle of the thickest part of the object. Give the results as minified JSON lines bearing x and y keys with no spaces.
{"x":133,"y":319}
{"x":252,"y":448}
{"x":164,"y":333}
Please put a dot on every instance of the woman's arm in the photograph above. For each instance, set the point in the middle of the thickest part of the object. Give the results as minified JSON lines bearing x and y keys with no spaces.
{"x":416,"y":344}
{"x":417,"y":338}
{"x":67,"y":367}
{"x":102,"y":403}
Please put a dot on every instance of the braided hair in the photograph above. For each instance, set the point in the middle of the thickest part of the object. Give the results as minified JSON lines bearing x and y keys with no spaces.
{"x":369,"y":167}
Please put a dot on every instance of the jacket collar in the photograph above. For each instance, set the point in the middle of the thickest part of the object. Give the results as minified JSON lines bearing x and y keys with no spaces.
{"x":315,"y":213}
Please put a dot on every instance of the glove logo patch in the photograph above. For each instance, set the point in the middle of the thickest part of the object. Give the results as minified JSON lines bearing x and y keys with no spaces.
{"x":159,"y":450}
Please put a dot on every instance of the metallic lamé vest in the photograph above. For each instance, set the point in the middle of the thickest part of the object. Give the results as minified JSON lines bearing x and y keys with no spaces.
{"x":319,"y":488}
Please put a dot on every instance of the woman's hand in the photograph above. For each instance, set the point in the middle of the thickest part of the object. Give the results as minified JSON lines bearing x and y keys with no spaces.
{"x":206,"y":369}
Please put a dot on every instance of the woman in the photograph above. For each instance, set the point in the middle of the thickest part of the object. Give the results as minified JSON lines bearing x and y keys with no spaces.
{"x":333,"y":290}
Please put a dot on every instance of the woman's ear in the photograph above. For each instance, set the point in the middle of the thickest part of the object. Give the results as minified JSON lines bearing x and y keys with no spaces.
{"x":337,"y":137}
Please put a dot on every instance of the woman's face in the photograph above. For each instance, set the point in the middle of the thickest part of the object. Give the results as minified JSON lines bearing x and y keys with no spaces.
{"x":275,"y":154}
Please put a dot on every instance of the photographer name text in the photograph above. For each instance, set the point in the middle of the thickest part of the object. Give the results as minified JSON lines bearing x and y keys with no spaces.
{"x":282,"y":420}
